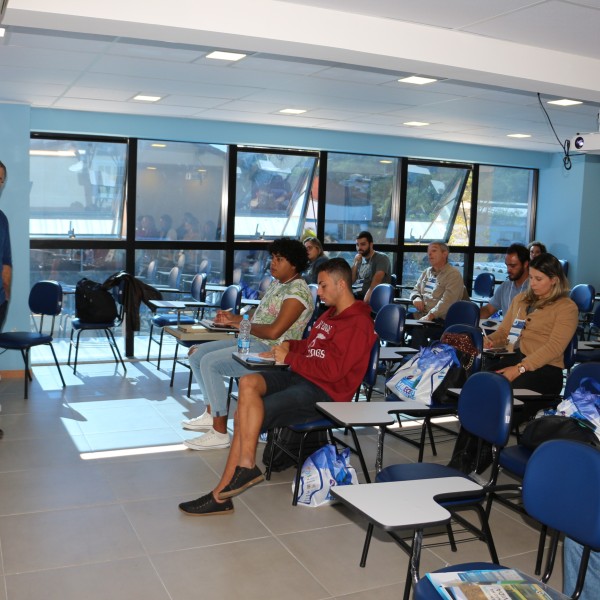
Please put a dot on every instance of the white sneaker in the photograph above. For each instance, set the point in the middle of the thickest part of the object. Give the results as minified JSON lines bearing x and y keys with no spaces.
{"x":209,"y":441}
{"x":201,"y":423}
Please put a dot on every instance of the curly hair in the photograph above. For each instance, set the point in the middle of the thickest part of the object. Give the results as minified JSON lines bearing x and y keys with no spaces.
{"x":292,"y":250}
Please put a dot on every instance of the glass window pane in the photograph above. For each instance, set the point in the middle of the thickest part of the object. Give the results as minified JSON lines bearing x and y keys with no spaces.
{"x":416,"y":262}
{"x":181,"y":191}
{"x":504,"y":205}
{"x":490,"y":263}
{"x":271,"y":194}
{"x":360,"y":196}
{"x":249,"y":267}
{"x":77,"y":188}
{"x":433,"y":195}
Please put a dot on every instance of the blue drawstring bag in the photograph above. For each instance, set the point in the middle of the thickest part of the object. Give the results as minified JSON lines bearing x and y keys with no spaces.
{"x":322,"y":470}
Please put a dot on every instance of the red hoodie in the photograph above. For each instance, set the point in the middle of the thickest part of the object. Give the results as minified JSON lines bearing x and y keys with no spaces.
{"x":336,"y":354}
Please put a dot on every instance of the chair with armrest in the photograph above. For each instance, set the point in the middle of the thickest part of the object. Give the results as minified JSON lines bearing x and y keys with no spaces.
{"x":230,"y":300}
{"x":389,"y":327}
{"x":45,"y":300}
{"x":462,"y":312}
{"x":483,"y":287}
{"x":568,"y":473}
{"x":324,"y":424}
{"x":484,"y":410}
{"x":382,"y":294}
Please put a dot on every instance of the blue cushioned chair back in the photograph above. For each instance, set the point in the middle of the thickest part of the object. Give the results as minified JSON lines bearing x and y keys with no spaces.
{"x":579,"y":372}
{"x":382,"y":294}
{"x":314,"y":292}
{"x":393,"y":280}
{"x":205,"y":266}
{"x":484,"y":285}
{"x":198,"y":289}
{"x":151,"y":275}
{"x":371,"y":374}
{"x":463,"y":312}
{"x":565,"y":266}
{"x":232,"y":299}
{"x":570,"y":352}
{"x":389,"y":323}
{"x":174,"y":278}
{"x":583,"y":295}
{"x":476,"y":335}
{"x":596,"y":317}
{"x":561,"y":489}
{"x":45,"y":298}
{"x":485,"y":407}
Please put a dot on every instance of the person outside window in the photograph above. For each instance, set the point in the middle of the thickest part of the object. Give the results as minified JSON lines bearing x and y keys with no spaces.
{"x":535,"y":249}
{"x":5,"y":255}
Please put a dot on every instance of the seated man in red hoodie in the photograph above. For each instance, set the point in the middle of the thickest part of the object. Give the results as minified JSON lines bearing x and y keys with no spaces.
{"x":328,"y":366}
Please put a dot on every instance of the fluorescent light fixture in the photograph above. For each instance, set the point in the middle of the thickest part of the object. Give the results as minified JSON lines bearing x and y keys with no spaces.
{"x":151,"y":168}
{"x":564,"y":102}
{"x":292,"y":111}
{"x":386,"y":162}
{"x":416,"y":80}
{"x":158,"y":145}
{"x":415,"y":123}
{"x":518,"y":135}
{"x":144,"y":98}
{"x":2,"y":32}
{"x":220,"y":55}
{"x":62,"y":153}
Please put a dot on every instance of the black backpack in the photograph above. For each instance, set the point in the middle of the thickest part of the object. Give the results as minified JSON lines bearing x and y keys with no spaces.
{"x":94,"y":303}
{"x":291,"y":440}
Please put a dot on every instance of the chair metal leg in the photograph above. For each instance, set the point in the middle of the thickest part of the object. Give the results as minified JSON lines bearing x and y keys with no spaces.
{"x":174,"y":365}
{"x":57,"y":365}
{"x":115,"y":348}
{"x":363,"y":558}
{"x":540,"y":553}
{"x":160,"y":342}
{"x":76,"y":350}
{"x":149,"y":341}
{"x":298,"y":470}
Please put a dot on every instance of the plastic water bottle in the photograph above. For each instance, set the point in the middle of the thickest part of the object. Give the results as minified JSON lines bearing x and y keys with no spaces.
{"x":244,"y":336}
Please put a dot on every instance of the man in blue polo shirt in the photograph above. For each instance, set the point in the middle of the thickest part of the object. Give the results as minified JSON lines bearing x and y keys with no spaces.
{"x":517,"y":268}
{"x":5,"y":256}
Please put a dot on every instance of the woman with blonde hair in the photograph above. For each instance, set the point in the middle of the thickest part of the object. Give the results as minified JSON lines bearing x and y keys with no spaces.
{"x":545,"y":319}
{"x":316,"y":257}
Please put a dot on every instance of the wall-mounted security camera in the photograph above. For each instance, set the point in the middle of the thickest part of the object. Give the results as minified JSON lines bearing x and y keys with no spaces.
{"x":586,"y":142}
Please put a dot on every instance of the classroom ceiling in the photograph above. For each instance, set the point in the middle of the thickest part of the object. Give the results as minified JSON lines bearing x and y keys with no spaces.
{"x":338,"y":60}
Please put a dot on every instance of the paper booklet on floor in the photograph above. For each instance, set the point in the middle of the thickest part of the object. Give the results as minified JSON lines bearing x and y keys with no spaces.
{"x":502,"y":584}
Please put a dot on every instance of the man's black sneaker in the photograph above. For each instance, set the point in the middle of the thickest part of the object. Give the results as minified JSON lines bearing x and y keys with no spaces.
{"x":242,"y":479}
{"x":205,"y":506}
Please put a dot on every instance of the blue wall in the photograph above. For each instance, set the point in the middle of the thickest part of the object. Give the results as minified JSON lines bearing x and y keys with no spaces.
{"x":568,"y":213}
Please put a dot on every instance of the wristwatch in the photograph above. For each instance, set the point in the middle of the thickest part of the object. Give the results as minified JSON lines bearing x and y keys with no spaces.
{"x":521,"y":368}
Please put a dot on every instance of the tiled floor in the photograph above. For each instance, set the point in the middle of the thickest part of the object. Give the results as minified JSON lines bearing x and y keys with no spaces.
{"x":75,"y":526}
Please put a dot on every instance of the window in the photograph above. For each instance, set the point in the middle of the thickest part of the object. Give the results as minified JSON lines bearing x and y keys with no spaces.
{"x":361,"y":196}
{"x":434,"y":194}
{"x":181,"y":191}
{"x":77,"y":188}
{"x":272,"y":191}
{"x":504,"y":207}
{"x":416,"y":262}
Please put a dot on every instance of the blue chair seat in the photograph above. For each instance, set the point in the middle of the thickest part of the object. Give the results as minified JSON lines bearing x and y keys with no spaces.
{"x":169,"y":319}
{"x":317,"y":424}
{"x":79,"y":324}
{"x":514,"y":459}
{"x":15,"y":340}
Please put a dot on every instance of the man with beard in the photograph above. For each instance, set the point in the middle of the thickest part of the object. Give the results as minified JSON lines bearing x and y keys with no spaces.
{"x":370,"y":267}
{"x":517,"y":267}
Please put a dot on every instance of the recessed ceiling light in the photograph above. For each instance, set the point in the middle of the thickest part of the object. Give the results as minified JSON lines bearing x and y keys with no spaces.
{"x":415,"y":79}
{"x":219,"y":55}
{"x":564,"y":102}
{"x":518,"y":135}
{"x":415,"y":123}
{"x":292,"y":111}
{"x":143,"y":98}
{"x":158,"y":145}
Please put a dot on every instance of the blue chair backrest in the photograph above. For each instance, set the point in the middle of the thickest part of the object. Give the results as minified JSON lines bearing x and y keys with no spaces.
{"x":485,"y":407}
{"x":463,"y":312}
{"x":570,"y":352}
{"x":205,"y":266}
{"x":151,"y":275}
{"x":232,"y":299}
{"x":561,"y":489}
{"x":579,"y":372}
{"x":484,"y":285}
{"x":583,"y":295}
{"x":198,"y":289}
{"x":389,"y":323}
{"x":476,"y":335}
{"x":382,"y":294}
{"x":565,"y":266}
{"x":371,"y":374}
{"x":45,"y":298}
{"x":174,"y":278}
{"x":314,"y":292}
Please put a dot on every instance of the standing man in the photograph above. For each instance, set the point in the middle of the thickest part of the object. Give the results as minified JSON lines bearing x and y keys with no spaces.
{"x":517,"y":268}
{"x":369,"y":266}
{"x":5,"y":256}
{"x":438,"y":287}
{"x":328,"y":366}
